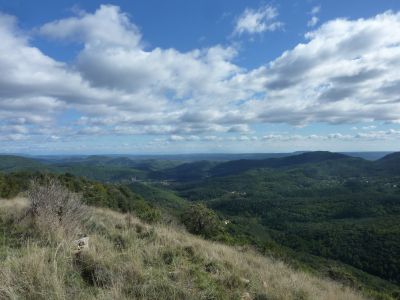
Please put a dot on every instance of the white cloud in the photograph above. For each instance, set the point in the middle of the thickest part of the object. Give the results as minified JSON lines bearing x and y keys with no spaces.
{"x":177,"y":138}
{"x":315,"y":10}
{"x":115,"y":81}
{"x":253,"y":21}
{"x":376,"y":135}
{"x":314,"y":19}
{"x":30,"y":81}
{"x":154,"y":86}
{"x":346,"y":71}
{"x":107,"y":26}
{"x":368,"y":127}
{"x":391,"y":134}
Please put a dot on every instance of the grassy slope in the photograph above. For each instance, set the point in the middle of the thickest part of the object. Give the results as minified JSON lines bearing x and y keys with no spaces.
{"x":132,"y":260}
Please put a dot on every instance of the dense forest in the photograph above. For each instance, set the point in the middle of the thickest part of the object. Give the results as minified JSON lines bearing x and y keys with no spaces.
{"x":327,"y":212}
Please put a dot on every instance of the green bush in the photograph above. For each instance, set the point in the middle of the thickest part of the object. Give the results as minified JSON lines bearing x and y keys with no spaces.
{"x":200,"y":220}
{"x":146,"y":212}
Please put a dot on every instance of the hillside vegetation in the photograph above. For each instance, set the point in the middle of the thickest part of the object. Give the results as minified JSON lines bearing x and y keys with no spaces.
{"x":128,"y":259}
{"x":297,"y":216}
{"x":329,"y":214}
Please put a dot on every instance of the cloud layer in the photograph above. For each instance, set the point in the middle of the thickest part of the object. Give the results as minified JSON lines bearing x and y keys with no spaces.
{"x":345,"y":71}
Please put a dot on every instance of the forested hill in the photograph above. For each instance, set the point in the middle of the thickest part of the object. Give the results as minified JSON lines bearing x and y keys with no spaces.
{"x":235,"y":167}
{"x":390,"y":163}
{"x":331,"y":213}
{"x":332,"y":206}
{"x":318,"y":162}
{"x":115,"y":169}
{"x":12,"y":163}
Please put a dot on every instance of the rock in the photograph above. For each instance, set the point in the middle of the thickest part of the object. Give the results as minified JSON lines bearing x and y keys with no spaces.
{"x":245,"y":281}
{"x":246,"y":296}
{"x":81,"y":244}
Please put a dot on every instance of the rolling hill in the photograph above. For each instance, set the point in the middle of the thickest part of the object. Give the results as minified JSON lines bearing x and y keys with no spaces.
{"x":389,"y":163}
{"x":186,"y":172}
{"x":12,"y":163}
{"x":238,"y":166}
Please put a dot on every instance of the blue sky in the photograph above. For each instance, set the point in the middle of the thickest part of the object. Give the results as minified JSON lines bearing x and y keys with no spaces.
{"x":199,"y":76}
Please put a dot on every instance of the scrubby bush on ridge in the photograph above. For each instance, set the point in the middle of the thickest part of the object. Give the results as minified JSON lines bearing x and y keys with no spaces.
{"x":53,"y":207}
{"x":198,"y":219}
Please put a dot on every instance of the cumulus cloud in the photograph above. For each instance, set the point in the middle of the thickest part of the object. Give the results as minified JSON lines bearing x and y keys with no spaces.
{"x":345,"y":71}
{"x":342,"y":74}
{"x":29,"y":80}
{"x":114,"y":28}
{"x":159,"y":84}
{"x":260,"y":20}
{"x":115,"y":81}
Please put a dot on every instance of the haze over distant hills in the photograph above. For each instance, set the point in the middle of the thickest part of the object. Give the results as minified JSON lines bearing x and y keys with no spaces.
{"x":369,"y":155}
{"x":190,"y":166}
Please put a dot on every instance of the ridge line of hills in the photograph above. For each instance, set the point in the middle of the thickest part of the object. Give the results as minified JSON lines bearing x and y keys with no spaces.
{"x":165,"y":169}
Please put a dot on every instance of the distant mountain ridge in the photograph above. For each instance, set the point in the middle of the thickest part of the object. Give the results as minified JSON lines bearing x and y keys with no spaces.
{"x":238,"y":166}
{"x":390,"y":163}
{"x":101,"y":167}
{"x":395,"y":156}
{"x":187,"y":171}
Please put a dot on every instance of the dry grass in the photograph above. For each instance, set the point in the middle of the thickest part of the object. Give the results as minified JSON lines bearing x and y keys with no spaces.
{"x":17,"y":203}
{"x":128,"y":259}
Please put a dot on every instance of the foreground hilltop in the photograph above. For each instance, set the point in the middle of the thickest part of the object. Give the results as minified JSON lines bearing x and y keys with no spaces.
{"x":128,"y":259}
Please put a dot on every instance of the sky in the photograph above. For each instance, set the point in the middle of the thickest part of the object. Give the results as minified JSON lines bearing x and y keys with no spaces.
{"x":208,"y":76}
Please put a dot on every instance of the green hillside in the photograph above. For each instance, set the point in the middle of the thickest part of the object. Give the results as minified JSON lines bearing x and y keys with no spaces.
{"x":11,"y":163}
{"x":342,"y":208}
{"x":327,"y":213}
{"x":160,"y":197}
{"x":186,"y":172}
{"x":235,"y":167}
{"x":390,"y":163}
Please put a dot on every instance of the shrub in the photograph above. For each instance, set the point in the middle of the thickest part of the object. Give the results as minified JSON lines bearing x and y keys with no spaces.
{"x":146,"y":212}
{"x":198,"y":219}
{"x":54,"y":208}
